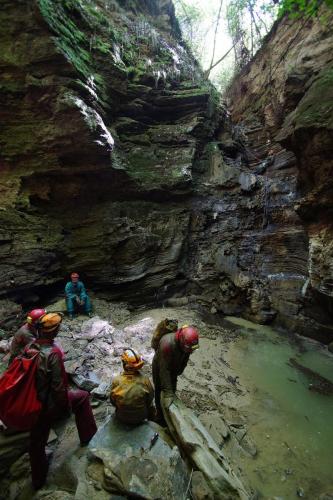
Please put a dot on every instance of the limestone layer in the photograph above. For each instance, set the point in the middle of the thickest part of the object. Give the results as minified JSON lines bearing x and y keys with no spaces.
{"x":117,"y":160}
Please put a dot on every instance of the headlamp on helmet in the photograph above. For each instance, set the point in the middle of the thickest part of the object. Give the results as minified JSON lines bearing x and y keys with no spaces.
{"x":35,"y":315}
{"x":131,"y":360}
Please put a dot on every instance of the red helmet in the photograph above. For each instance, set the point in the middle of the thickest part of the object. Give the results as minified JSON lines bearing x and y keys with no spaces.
{"x":188,"y":338}
{"x":35,"y":315}
{"x":75,"y":275}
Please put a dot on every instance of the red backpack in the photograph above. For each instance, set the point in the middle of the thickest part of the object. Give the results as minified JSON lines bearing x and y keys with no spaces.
{"x":19,"y":405}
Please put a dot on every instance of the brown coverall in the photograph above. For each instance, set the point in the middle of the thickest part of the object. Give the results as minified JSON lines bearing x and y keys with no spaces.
{"x":169,"y":362}
{"x":132,"y":394}
{"x":57,"y":401}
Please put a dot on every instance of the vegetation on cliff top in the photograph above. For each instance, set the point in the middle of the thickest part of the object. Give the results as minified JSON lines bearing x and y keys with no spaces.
{"x":225,"y":34}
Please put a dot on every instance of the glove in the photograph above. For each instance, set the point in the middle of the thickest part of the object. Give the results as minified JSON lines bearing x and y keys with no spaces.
{"x":77,"y":299}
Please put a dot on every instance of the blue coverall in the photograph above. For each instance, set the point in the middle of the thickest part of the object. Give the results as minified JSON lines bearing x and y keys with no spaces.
{"x":73,"y":290}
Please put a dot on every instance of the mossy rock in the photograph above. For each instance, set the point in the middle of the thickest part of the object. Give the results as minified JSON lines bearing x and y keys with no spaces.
{"x":59,"y":306}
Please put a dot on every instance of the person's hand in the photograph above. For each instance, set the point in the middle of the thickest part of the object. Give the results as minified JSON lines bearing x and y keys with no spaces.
{"x":168,"y":400}
{"x":78,"y":301}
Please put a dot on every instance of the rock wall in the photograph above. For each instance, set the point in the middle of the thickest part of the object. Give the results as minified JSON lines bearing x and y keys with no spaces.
{"x":117,"y":160}
{"x":104,"y":112}
{"x":282,"y":103}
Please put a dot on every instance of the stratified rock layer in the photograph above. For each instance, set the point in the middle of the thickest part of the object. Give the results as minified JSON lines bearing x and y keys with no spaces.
{"x":117,"y":161}
{"x":282,"y":103}
{"x":104,"y":113}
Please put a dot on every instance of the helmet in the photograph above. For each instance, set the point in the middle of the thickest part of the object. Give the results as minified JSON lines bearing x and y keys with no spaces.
{"x":50,"y":322}
{"x":131,"y":360}
{"x":188,"y":338}
{"x":75,"y":275}
{"x":35,"y":315}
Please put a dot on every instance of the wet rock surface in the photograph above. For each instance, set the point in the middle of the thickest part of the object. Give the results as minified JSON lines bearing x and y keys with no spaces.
{"x":118,"y":157}
{"x":287,"y":129}
{"x":226,"y":403}
{"x":119,"y":457}
{"x":106,"y":106}
{"x":132,"y":463}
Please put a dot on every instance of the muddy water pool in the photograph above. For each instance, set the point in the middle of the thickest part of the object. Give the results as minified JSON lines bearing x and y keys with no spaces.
{"x":291,"y":425}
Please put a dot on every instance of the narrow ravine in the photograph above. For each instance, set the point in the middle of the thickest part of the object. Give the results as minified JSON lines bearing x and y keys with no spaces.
{"x":121,"y":161}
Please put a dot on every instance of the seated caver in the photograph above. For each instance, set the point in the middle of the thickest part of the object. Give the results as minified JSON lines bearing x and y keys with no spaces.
{"x":165,"y":326}
{"x":132,"y":393}
{"x":76,"y":296}
{"x":26,"y":333}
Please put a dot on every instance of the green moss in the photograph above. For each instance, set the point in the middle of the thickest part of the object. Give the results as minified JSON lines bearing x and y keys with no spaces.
{"x":18,"y":138}
{"x":136,"y":73}
{"x":70,"y":39}
{"x":103,"y":47}
{"x":86,"y":33}
{"x":316,"y":108}
{"x":144,"y":169}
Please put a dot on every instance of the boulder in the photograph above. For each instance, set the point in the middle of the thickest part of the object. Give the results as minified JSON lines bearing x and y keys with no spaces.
{"x":86,"y":383}
{"x":102,"y":391}
{"x":4,"y":345}
{"x":95,"y":327}
{"x":199,"y":487}
{"x":199,"y":446}
{"x":10,"y":314}
{"x":137,"y":461}
{"x":247,"y":181}
{"x":12,"y":446}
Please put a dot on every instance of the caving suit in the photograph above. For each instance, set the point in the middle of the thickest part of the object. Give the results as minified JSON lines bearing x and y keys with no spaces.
{"x":132,"y":394}
{"x":76,"y":291}
{"x":57,"y":402}
{"x":24,"y":336}
{"x":169,"y":362}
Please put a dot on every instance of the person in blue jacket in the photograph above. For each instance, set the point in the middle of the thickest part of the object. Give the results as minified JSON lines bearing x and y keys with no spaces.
{"x":76,"y":296}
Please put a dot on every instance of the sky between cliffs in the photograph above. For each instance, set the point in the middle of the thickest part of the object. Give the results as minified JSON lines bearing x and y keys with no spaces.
{"x":205,"y":30}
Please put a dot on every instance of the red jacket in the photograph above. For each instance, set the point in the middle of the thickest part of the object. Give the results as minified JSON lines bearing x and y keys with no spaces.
{"x":169,"y":362}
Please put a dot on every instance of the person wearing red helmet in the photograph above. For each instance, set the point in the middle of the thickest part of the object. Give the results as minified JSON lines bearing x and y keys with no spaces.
{"x":170,"y":361}
{"x":26,"y":333}
{"x":56,"y":398}
{"x":76,"y":296}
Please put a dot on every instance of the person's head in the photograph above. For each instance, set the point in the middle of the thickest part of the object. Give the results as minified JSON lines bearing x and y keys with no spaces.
{"x":132,"y":362}
{"x":188,"y":338}
{"x":49,"y":325}
{"x":33,"y":318}
{"x":74,"y":277}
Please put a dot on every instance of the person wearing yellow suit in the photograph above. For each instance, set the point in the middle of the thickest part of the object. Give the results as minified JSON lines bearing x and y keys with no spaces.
{"x":132,"y":393}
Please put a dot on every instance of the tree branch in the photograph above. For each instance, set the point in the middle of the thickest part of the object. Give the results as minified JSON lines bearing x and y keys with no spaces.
{"x":215,"y":36}
{"x":206,"y":73}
